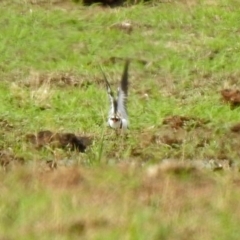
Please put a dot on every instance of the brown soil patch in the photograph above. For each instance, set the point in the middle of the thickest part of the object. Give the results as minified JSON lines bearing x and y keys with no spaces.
{"x":177,"y":122}
{"x":5,"y":125}
{"x":175,"y":167}
{"x":9,"y":160}
{"x":65,"y":178}
{"x":236,"y":128}
{"x":230,"y":142}
{"x":60,"y":79}
{"x":188,"y":167}
{"x":59,"y":140}
{"x":114,"y":60}
{"x":170,"y":139}
{"x":184,"y":183}
{"x":231,"y":96}
{"x":179,"y":137}
{"x":79,"y":227}
{"x":177,"y":130}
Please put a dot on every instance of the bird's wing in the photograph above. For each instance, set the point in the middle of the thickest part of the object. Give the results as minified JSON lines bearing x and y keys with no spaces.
{"x":123,"y":92}
{"x":110,"y":93}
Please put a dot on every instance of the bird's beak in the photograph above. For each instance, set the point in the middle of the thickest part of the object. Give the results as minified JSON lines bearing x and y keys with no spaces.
{"x":114,"y":119}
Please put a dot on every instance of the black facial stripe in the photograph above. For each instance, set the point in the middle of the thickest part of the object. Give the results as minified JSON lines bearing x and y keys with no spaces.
{"x":115,"y":106}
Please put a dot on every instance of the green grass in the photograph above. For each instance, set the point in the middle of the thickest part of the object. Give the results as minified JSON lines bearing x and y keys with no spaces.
{"x":183,"y":54}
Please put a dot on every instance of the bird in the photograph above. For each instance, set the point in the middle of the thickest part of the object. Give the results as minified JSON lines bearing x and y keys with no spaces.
{"x":118,"y":116}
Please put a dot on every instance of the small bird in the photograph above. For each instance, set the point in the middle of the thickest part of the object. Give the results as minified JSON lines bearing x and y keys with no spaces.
{"x":118,"y":118}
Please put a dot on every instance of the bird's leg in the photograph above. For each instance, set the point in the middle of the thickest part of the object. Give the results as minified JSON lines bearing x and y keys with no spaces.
{"x":117,"y":132}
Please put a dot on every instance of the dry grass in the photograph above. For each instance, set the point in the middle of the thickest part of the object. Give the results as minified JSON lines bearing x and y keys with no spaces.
{"x":88,"y":202}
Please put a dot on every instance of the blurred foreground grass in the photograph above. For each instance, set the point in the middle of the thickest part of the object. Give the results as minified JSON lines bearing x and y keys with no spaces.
{"x":182,"y":54}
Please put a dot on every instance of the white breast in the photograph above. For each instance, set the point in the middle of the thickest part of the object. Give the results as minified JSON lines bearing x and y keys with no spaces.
{"x":119,"y":124}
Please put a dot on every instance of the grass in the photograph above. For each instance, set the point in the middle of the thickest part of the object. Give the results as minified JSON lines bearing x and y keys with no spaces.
{"x":183,"y":53}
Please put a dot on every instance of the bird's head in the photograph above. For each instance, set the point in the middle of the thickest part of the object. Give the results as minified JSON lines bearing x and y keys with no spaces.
{"x":115,"y":117}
